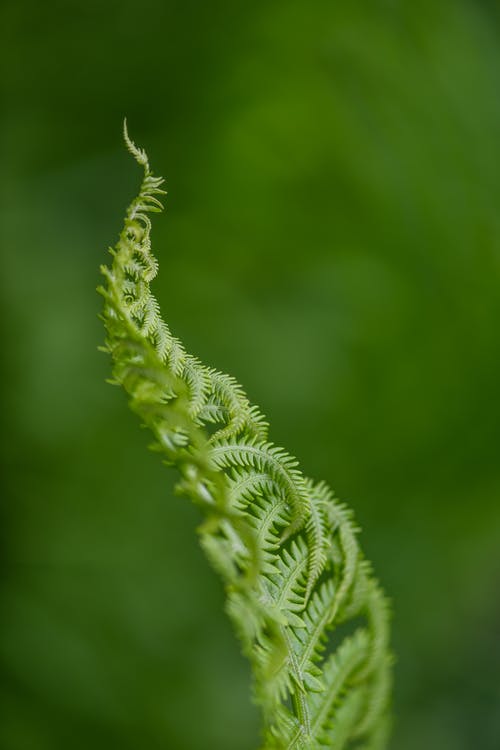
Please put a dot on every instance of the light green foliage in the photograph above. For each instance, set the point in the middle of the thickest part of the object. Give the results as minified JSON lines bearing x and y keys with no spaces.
{"x":286,"y":549}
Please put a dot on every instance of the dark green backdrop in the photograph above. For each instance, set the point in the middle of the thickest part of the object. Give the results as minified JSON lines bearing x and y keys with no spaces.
{"x":332,"y":238}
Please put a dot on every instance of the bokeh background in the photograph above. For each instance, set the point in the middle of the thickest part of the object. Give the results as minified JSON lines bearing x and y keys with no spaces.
{"x":332,"y":238}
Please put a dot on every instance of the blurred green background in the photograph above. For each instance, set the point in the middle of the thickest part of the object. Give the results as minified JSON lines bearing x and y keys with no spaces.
{"x":332,"y":238}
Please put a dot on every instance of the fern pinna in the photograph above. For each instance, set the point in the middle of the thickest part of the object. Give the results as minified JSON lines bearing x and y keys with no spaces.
{"x":286,"y":549}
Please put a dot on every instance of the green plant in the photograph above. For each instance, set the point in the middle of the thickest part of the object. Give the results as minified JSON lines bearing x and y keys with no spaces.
{"x":286,"y":549}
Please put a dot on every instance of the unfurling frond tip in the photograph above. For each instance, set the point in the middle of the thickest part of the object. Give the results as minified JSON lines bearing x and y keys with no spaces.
{"x":138,"y":153}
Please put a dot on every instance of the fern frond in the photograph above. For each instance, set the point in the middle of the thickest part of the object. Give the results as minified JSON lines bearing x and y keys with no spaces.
{"x":287,"y":551}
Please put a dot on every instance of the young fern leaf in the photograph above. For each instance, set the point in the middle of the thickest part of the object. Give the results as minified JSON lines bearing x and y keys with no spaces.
{"x":285,"y":548}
